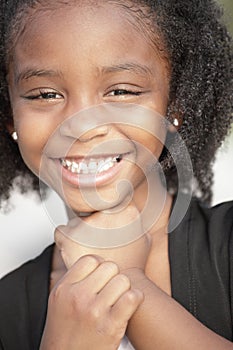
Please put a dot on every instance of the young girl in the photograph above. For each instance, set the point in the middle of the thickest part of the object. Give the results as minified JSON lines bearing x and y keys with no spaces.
{"x":93,"y":94}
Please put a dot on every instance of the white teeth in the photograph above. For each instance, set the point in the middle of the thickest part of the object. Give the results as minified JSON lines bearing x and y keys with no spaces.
{"x":68,"y":163}
{"x":63,"y":162}
{"x":100,"y":165}
{"x":91,"y":166}
{"x":83,"y":168}
{"x":74,"y":167}
{"x":106,"y":166}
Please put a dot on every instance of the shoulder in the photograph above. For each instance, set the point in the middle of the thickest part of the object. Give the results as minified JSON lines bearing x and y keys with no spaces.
{"x":205,"y":225}
{"x":201,"y":249}
{"x":23,"y":303}
{"x":31,"y":270}
{"x":220,"y":213}
{"x":216,"y":222}
{"x":209,"y":231}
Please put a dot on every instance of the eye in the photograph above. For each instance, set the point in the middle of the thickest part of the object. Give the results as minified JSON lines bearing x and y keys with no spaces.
{"x":44,"y":95}
{"x":124,"y":92}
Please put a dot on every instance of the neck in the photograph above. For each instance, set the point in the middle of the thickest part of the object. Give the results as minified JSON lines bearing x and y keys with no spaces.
{"x":154,"y":203}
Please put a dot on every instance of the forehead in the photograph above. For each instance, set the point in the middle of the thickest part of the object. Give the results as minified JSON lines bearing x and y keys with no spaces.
{"x":79,"y":18}
{"x":112,"y":15}
{"x":83,"y":33}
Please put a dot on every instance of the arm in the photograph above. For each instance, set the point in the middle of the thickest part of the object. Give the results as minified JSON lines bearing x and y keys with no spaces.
{"x":161,"y":323}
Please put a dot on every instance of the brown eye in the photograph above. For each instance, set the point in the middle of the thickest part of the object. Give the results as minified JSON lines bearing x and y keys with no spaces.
{"x":50,"y":95}
{"x":122,"y":92}
{"x":44,"y":95}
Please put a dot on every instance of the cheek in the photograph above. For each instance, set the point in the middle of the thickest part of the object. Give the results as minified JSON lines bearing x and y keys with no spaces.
{"x":148,"y":154}
{"x":32,"y":138}
{"x":149,"y":139}
{"x":149,"y":148}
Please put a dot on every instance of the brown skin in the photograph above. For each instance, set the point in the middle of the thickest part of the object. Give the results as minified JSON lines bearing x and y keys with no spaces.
{"x":81,"y":82}
{"x":105,"y":292}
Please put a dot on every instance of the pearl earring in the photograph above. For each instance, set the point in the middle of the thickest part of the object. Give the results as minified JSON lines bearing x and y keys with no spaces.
{"x":176,"y":122}
{"x":14,"y":136}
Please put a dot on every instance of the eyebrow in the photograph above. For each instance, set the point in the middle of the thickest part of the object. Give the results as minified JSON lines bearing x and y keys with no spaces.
{"x":131,"y":67}
{"x":137,"y":68}
{"x":28,"y":73}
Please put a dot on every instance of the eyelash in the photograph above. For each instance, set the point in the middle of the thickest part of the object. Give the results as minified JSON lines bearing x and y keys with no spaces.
{"x":123,"y":92}
{"x":52,"y":95}
{"x":44,"y":95}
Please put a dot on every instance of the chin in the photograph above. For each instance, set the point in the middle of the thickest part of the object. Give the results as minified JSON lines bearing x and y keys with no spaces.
{"x":96,"y":201}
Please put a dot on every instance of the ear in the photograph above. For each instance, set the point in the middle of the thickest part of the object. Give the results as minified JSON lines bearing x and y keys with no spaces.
{"x":10,"y":127}
{"x":177,"y":121}
{"x":11,"y":130}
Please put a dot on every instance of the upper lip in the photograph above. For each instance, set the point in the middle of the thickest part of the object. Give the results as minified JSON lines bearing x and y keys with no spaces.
{"x":93,"y":156}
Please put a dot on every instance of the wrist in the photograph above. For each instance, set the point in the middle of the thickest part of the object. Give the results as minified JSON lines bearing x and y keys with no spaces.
{"x":137,"y":277}
{"x":134,"y":272}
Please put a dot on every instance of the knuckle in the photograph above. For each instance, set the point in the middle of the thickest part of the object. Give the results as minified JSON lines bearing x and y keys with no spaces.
{"x":134,"y":297}
{"x":110,"y":267}
{"x":77,"y":304}
{"x":78,"y":300}
{"x":124,"y":280}
{"x":91,"y":261}
{"x":64,"y":293}
{"x":59,"y":292}
{"x":95,"y":313}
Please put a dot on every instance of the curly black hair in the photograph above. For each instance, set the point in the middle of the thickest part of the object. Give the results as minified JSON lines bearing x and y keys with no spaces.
{"x":199,"y":50}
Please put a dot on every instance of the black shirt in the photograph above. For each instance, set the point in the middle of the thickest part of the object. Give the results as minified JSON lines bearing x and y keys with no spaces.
{"x":201,"y":263}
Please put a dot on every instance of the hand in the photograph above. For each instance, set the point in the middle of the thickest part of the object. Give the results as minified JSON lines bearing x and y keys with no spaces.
{"x":132,"y":255}
{"x":90,"y":307}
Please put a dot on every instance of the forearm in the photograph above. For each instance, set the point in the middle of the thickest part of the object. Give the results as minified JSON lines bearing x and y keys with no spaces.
{"x":161,"y":323}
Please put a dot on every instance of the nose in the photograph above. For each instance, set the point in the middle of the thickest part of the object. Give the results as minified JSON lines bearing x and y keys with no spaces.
{"x":86,"y":125}
{"x":101,"y":130}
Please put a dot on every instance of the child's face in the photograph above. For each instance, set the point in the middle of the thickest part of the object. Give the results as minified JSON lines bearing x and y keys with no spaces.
{"x":74,"y":58}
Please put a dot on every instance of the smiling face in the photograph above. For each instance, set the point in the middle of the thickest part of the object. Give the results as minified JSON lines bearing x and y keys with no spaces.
{"x":65,"y":62}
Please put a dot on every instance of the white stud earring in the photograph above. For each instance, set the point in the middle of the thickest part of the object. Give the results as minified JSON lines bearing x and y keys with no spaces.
{"x":176,"y":122}
{"x":14,"y":136}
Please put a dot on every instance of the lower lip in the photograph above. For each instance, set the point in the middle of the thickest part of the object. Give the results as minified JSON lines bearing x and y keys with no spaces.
{"x":91,"y":180}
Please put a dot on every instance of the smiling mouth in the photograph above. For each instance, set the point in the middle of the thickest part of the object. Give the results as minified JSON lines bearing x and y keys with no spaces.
{"x":90,"y":166}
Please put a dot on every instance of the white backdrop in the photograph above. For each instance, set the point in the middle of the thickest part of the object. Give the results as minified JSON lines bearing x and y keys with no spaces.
{"x":28,"y":229}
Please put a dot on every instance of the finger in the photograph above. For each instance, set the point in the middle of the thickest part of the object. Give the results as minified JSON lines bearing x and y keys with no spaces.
{"x":82,"y":268}
{"x":115,"y":288}
{"x":126,"y":306}
{"x":104,"y":273}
